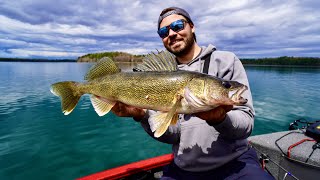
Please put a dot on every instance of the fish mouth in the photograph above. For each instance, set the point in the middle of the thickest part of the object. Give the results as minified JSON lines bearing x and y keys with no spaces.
{"x":236,"y":97}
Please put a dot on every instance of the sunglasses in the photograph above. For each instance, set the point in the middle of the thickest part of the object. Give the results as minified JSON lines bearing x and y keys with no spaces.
{"x":175,"y":26}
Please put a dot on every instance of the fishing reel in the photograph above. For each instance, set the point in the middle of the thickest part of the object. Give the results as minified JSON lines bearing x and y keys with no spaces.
{"x":312,"y":128}
{"x":300,"y":124}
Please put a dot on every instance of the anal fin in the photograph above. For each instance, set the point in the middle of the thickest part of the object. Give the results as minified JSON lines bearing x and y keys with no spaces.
{"x":101,"y":107}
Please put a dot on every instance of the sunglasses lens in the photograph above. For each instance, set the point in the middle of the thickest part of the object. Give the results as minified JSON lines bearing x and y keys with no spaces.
{"x":177,"y":26}
{"x":163,"y":32}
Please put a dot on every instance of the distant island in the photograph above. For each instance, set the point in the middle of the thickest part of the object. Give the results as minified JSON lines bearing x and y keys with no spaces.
{"x":116,"y":56}
{"x":127,"y":57}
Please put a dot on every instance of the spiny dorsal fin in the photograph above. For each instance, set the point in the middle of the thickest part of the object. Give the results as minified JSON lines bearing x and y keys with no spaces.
{"x":103,"y":67}
{"x":162,"y":61}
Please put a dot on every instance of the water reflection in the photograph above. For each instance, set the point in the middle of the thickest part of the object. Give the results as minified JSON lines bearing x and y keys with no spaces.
{"x":282,"y":95}
{"x":283,"y":69}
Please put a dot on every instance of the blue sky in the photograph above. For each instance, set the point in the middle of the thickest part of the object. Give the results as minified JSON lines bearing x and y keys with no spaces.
{"x":72,"y":28}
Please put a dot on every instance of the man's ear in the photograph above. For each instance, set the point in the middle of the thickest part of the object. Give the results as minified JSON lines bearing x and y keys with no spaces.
{"x":192,"y":28}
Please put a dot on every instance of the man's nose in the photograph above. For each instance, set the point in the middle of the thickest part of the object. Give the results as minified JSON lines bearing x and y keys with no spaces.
{"x":172,"y":33}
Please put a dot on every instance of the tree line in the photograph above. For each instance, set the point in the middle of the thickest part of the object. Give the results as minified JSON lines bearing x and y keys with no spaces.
{"x":127,"y":57}
{"x":284,"y":60}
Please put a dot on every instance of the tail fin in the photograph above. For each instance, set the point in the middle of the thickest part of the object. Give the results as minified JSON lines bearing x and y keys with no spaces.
{"x":67,"y":91}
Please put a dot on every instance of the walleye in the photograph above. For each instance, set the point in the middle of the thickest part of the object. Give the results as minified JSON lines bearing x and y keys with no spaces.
{"x":159,"y":86}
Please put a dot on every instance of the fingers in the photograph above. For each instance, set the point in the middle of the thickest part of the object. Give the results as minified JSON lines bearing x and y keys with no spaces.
{"x":115,"y":108}
{"x":215,"y":115}
{"x":227,"y":108}
{"x":124,"y":110}
{"x":119,"y":109}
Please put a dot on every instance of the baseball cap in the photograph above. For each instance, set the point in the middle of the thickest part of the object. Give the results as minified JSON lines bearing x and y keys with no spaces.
{"x":174,"y":10}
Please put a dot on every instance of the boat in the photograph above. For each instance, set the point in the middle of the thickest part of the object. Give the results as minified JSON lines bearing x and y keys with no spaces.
{"x":292,"y":154}
{"x":146,"y":169}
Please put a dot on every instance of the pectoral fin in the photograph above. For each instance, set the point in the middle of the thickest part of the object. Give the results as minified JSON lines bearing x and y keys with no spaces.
{"x":101,"y":107}
{"x":156,"y":120}
{"x":174,"y":119}
{"x":161,"y":121}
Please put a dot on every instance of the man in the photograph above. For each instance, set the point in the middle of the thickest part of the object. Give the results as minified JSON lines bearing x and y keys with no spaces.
{"x":212,"y":144}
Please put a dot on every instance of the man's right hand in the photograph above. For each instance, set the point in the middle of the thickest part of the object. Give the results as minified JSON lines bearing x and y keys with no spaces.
{"x":124,"y":110}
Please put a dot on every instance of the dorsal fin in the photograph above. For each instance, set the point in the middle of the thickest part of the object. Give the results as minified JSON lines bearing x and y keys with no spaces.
{"x":103,"y":67}
{"x":162,"y":61}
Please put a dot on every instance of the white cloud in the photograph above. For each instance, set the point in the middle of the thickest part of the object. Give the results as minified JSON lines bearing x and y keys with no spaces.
{"x":256,"y":27}
{"x":11,"y":42}
{"x":31,"y":53}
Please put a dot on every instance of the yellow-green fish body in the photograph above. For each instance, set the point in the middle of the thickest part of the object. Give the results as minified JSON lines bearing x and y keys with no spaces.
{"x":159,"y":87}
{"x":148,"y":90}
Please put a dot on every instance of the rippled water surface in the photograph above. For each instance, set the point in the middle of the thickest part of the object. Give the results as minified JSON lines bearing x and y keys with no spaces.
{"x":38,"y":142}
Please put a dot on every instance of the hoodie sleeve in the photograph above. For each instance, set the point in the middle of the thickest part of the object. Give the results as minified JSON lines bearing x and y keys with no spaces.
{"x":171,"y":136}
{"x":238,"y":123}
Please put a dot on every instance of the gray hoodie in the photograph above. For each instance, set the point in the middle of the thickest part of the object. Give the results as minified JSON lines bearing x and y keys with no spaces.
{"x":198,"y":146}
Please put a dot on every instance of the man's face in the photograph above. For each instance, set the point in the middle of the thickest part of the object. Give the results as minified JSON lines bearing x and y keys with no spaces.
{"x":180,"y":42}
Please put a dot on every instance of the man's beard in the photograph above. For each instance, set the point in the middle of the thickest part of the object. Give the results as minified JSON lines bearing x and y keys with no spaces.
{"x":188,"y":46}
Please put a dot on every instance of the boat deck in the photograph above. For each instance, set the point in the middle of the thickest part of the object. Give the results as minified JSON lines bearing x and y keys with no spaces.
{"x":295,"y":144}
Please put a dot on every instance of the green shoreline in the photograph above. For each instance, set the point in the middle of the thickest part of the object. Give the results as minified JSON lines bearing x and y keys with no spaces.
{"x":128,"y":58}
{"x":270,"y":65}
{"x":284,"y":61}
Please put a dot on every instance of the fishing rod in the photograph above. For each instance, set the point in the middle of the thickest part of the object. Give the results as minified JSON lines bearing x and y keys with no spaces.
{"x":301,"y":126}
{"x":264,"y":158}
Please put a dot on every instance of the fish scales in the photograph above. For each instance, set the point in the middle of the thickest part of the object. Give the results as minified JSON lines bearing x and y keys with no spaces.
{"x":142,"y":89}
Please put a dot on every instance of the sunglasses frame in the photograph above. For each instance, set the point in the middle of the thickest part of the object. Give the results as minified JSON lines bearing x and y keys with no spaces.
{"x":171,"y":26}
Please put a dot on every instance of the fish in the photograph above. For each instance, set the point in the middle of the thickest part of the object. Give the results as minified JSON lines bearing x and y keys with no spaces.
{"x":157,"y":85}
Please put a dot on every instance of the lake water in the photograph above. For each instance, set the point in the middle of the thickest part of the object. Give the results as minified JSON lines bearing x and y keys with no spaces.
{"x":38,"y":142}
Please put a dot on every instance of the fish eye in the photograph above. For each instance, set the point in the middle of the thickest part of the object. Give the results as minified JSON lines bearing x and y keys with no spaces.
{"x":226,"y":84}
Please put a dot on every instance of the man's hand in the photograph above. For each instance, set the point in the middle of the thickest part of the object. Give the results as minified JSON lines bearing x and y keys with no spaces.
{"x":216,"y":115}
{"x":124,"y":110}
